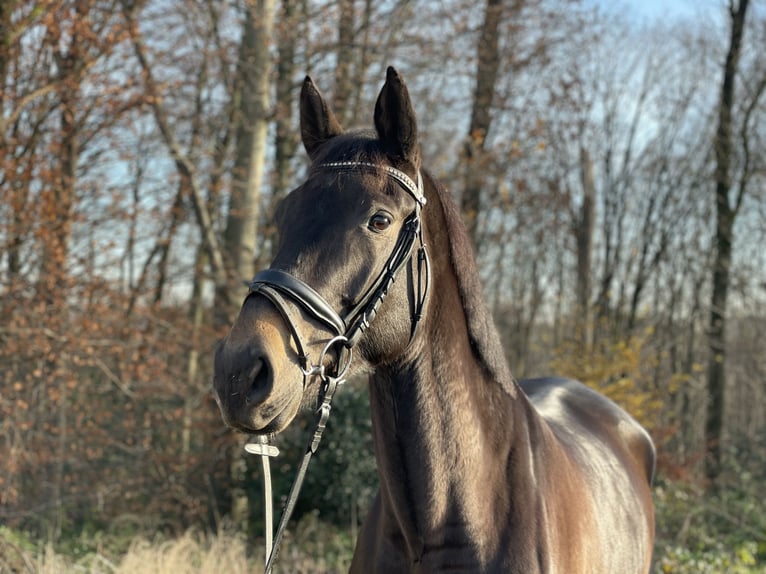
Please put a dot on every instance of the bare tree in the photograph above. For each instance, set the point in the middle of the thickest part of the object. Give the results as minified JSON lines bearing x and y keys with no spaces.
{"x":285,"y":142}
{"x":727,"y":209}
{"x":253,"y":115}
{"x":488,"y":64}
{"x":583,"y":222}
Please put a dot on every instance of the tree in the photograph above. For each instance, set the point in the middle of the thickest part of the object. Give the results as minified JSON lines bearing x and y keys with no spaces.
{"x":285,"y":140}
{"x":727,"y":209}
{"x":488,"y":64}
{"x":583,"y":221}
{"x":252,"y":99}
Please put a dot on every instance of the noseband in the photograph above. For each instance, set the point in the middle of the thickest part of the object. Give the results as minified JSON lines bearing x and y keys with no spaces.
{"x":282,"y":288}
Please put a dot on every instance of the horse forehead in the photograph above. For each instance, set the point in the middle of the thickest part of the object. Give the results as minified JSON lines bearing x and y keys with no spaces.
{"x":316,"y":204}
{"x":313,"y":224}
{"x":348,"y":184}
{"x":328,"y":204}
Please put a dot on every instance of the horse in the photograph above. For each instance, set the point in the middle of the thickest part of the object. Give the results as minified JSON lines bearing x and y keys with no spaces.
{"x":478,"y":472}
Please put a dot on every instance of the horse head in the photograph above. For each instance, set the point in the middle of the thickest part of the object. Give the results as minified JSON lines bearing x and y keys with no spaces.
{"x":343,"y":236}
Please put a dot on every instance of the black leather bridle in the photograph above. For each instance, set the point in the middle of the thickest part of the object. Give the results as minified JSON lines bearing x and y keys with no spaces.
{"x":285,"y":292}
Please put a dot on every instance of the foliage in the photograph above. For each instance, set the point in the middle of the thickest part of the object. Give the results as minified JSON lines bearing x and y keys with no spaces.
{"x":16,"y":550}
{"x":317,"y":548}
{"x":722,"y":560}
{"x":702,"y":533}
{"x":621,"y":369}
{"x":343,"y":476}
{"x":96,"y":412}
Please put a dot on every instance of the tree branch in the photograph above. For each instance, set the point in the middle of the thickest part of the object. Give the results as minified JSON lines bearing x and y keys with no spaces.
{"x":183,"y":164}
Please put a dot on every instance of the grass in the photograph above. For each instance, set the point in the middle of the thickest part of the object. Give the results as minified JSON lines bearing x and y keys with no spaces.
{"x":314,"y":548}
{"x":199,"y":553}
{"x":697,"y":534}
{"x":191,"y":553}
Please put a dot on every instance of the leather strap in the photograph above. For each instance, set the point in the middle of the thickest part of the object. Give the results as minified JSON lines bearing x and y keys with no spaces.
{"x":301,"y":293}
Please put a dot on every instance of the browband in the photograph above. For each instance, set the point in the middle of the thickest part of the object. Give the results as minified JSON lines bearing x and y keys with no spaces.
{"x":414,"y":189}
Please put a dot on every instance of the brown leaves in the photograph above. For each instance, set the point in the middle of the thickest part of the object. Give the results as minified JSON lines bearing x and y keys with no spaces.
{"x":87,"y":389}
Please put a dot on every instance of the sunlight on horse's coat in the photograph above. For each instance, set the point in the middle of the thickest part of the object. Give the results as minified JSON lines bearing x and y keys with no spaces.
{"x":478,"y":472}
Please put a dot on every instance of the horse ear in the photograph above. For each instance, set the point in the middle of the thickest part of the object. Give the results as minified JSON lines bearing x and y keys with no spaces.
{"x":395,"y":119}
{"x":318,"y":122}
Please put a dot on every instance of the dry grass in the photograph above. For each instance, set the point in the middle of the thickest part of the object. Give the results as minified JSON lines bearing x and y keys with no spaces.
{"x":310,"y":547}
{"x":192,"y":553}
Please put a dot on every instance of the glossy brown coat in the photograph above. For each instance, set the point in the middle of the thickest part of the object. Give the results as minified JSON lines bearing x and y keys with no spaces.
{"x":478,"y":472}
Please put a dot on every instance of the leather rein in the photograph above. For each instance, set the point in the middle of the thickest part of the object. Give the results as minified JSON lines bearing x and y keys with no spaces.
{"x":285,"y":292}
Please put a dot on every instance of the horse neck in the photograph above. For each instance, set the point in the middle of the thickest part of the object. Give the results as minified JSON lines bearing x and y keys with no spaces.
{"x":446,"y":417}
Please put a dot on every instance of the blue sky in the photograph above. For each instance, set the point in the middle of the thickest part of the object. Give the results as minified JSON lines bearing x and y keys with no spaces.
{"x":652,"y":9}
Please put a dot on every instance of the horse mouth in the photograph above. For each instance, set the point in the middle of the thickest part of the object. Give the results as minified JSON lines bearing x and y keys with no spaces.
{"x":268,"y":418}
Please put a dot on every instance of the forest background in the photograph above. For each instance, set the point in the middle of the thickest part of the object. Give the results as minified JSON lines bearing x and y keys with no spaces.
{"x":611,"y":171}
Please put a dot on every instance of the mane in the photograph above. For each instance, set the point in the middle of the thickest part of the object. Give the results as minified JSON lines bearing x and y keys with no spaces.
{"x":482,"y":333}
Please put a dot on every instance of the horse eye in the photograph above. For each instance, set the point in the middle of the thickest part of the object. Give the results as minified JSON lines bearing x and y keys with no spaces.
{"x":379,"y":222}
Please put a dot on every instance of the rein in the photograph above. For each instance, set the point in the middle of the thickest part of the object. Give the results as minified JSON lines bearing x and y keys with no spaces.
{"x":281,"y":288}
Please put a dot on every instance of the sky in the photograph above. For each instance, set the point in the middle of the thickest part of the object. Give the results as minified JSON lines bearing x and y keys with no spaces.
{"x":652,"y":9}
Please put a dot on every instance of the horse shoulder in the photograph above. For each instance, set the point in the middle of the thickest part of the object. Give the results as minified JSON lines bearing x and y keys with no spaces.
{"x":577,"y":414}
{"x":611,"y":456}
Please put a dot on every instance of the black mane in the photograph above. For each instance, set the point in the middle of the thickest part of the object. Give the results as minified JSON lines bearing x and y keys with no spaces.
{"x":482,"y":333}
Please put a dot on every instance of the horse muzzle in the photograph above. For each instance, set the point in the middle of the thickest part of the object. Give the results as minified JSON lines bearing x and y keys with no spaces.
{"x":257,"y":381}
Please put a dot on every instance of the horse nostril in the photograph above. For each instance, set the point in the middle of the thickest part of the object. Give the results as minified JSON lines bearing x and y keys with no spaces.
{"x":260,"y":382}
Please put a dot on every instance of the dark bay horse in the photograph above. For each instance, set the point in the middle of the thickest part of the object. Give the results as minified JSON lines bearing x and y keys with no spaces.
{"x":478,"y":472}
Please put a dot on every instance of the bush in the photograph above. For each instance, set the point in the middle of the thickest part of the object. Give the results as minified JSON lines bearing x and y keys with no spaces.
{"x":720,"y":560}
{"x":703,"y":533}
{"x":342,"y":478}
{"x":620,"y":369}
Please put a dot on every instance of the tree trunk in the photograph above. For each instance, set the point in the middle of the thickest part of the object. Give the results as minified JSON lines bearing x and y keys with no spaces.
{"x":191,"y":393}
{"x":286,"y":143}
{"x":725,"y":216}
{"x":341,"y":102}
{"x":240,"y":235}
{"x":254,"y":69}
{"x":481,"y":116}
{"x":364,"y":54}
{"x":57,"y":213}
{"x":58,"y":199}
{"x":583,"y":232}
{"x":6,"y":35}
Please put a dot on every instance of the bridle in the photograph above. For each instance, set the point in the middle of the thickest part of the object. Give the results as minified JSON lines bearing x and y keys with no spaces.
{"x":286,"y":292}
